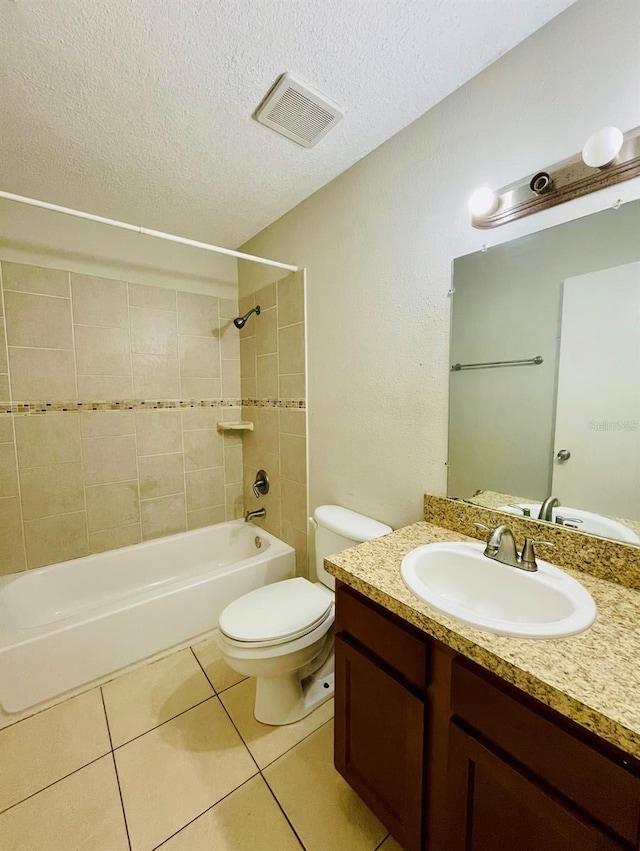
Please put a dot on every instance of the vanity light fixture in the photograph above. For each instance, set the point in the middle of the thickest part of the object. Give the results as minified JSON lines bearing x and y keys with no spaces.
{"x":608,"y":157}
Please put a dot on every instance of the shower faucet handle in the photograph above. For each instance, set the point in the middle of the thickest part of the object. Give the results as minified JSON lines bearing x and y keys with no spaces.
{"x":261,"y":484}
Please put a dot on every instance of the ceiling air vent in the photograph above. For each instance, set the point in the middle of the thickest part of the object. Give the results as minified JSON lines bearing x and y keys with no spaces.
{"x":296,"y":111}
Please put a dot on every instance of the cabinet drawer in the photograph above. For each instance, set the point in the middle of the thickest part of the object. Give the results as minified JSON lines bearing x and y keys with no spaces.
{"x":598,"y":784}
{"x":384,"y":635}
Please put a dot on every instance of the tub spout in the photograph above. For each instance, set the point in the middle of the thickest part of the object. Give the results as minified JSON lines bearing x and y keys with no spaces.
{"x":251,"y":515}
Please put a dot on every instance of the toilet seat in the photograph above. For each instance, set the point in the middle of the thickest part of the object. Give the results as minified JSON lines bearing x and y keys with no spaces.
{"x":276,"y":614}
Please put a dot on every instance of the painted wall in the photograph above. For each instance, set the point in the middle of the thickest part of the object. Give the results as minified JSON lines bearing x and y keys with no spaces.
{"x":378,"y":243}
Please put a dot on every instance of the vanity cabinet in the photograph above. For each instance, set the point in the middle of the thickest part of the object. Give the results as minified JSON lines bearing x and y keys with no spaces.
{"x":452,"y":758}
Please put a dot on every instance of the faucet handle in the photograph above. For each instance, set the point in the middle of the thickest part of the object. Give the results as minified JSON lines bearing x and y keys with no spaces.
{"x":528,"y":557}
{"x":526,"y":512}
{"x":483,"y":526}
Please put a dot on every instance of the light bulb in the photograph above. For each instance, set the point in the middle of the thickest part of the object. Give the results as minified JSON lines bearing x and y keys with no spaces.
{"x":603,"y":147}
{"x":483,"y":202}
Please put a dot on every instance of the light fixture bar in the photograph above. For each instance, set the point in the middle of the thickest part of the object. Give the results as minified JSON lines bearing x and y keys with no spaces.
{"x":561,"y":182}
{"x":193,"y":243}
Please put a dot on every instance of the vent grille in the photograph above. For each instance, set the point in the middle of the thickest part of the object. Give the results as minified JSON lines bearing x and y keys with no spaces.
{"x":297,"y":112}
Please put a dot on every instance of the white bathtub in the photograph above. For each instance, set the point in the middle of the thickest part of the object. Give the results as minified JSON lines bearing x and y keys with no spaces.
{"x":71,"y":625}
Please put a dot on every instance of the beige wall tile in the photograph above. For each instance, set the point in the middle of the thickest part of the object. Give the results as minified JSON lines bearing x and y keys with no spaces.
{"x":158,"y":432}
{"x":35,"y":279}
{"x":155,"y":377}
{"x":153,"y":331}
{"x":267,"y":332}
{"x":113,"y":505}
{"x":6,"y":428}
{"x":291,"y":349}
{"x":8,"y":471}
{"x":11,"y":536}
{"x":267,"y":370}
{"x":156,"y":298}
{"x":42,"y":749}
{"x":201,"y":388}
{"x":48,"y":439}
{"x":161,"y":475}
{"x":205,"y":488}
{"x":298,"y":540}
{"x":206,"y":517}
{"x":99,"y":301}
{"x":266,"y":297}
{"x":228,"y":308}
{"x":199,"y":357}
{"x":105,"y":388}
{"x":292,"y":386}
{"x":294,"y":504}
{"x":112,"y":539}
{"x":4,"y":388}
{"x":38,"y":321}
{"x":229,"y":341}
{"x":248,"y":357}
{"x":42,"y":374}
{"x":197,"y":314}
{"x":248,"y":388}
{"x":290,"y":300}
{"x":50,"y":540}
{"x":292,"y":421}
{"x":51,"y":490}
{"x":109,"y":459}
{"x":107,"y":423}
{"x":232,"y":464}
{"x":102,"y":351}
{"x":199,"y":418}
{"x":293,"y":458}
{"x":164,"y":516}
{"x":203,"y":449}
{"x":4,"y":363}
{"x":231,"y":379}
{"x":234,"y":501}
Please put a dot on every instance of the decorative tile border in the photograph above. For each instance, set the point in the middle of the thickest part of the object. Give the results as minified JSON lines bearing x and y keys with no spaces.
{"x":26,"y":408}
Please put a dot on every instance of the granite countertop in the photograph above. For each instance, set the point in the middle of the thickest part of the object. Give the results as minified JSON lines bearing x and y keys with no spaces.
{"x":592,"y":678}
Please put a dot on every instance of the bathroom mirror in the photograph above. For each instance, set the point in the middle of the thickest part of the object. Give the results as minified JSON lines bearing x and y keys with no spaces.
{"x":545,"y":375}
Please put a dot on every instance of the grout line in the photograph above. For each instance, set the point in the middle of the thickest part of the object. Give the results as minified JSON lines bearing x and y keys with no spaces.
{"x":135,"y":424}
{"x":42,"y":295}
{"x":115,"y":767}
{"x":377,"y":848}
{"x":304,"y":739}
{"x":283,"y":811}
{"x":162,"y":723}
{"x":46,"y":349}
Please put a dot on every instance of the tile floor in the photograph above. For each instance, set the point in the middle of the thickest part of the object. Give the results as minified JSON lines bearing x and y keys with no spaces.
{"x":170,"y":756}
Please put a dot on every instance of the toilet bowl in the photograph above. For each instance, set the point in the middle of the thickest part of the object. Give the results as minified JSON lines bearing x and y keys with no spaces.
{"x":282,"y":634}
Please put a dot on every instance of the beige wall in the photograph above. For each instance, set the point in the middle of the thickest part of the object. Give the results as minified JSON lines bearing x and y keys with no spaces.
{"x":378,"y":243}
{"x":273,"y":377}
{"x":76,"y":482}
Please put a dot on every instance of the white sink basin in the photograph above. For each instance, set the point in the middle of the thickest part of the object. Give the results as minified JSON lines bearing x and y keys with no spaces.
{"x":458,"y":580}
{"x":596,"y":524}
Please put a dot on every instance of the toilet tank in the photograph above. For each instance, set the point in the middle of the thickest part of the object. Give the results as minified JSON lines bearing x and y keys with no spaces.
{"x":338,"y":528}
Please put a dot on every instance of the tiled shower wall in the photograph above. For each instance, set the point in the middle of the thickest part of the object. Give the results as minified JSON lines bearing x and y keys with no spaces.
{"x":272,"y":355}
{"x":78,"y":480}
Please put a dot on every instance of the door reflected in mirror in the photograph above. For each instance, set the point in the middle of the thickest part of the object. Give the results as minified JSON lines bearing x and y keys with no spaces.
{"x":556,"y":432}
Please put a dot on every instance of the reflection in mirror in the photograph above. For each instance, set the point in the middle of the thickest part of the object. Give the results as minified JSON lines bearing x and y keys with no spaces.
{"x":557,"y":436}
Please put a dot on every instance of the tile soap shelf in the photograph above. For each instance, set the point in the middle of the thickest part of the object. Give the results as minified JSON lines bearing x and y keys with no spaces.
{"x":236,"y":425}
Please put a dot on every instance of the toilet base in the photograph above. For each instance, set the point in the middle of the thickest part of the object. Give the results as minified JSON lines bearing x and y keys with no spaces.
{"x":289,"y":698}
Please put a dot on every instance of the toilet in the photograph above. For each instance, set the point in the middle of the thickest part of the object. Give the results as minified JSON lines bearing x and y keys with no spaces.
{"x":282,"y":634}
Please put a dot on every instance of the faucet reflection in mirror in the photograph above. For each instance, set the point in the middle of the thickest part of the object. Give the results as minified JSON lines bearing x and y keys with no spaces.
{"x":568,"y":429}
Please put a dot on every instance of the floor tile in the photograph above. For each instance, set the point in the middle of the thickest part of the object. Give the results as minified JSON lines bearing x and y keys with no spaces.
{"x":177,"y":771}
{"x":42,"y":749}
{"x":82,"y":812}
{"x":247,"y":820}
{"x":268,"y":743}
{"x":389,"y":844}
{"x":210,"y":657}
{"x":139,"y":701}
{"x":323,"y":809}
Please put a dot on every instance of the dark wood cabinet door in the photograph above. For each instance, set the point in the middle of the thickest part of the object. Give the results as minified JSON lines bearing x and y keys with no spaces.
{"x":379,"y":742}
{"x":495,"y":807}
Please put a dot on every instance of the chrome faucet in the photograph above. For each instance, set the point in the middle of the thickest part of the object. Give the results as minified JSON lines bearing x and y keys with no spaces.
{"x":546,"y":509}
{"x":252,"y":515}
{"x":501,"y":546}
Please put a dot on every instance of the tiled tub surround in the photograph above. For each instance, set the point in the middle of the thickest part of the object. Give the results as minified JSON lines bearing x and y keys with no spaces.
{"x":272,"y":358}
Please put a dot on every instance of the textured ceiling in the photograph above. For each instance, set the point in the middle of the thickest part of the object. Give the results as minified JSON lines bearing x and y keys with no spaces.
{"x":142,"y":110}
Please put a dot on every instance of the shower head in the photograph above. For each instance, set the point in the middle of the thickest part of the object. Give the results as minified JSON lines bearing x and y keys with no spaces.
{"x":240,"y":321}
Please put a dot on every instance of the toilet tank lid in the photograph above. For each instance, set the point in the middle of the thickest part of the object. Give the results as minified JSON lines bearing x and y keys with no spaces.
{"x":349,"y":523}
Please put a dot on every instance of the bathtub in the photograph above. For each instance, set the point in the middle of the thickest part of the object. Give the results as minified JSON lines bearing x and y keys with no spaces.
{"x":72,"y":625}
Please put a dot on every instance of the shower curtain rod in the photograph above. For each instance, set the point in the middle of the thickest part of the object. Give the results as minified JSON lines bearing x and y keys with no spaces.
{"x":67,"y":211}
